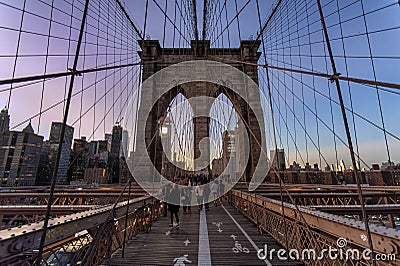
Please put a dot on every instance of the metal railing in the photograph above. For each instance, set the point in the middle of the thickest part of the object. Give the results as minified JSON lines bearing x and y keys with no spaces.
{"x":323,"y":232}
{"x":86,"y":238}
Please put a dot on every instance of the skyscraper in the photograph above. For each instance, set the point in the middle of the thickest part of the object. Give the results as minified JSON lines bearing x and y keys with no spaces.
{"x":19,"y":157}
{"x":49,"y":155}
{"x":79,"y":159}
{"x":108,"y":137}
{"x":278,"y":159}
{"x":99,"y":153}
{"x":229,"y":151}
{"x":125,"y":143}
{"x":115,"y":153}
{"x":4,"y":121}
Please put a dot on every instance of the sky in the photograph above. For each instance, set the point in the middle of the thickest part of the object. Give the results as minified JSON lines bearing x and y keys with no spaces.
{"x":110,"y":40}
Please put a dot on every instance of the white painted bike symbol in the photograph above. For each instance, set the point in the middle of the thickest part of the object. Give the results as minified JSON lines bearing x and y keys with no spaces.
{"x":238,"y":248}
{"x":218,"y":225}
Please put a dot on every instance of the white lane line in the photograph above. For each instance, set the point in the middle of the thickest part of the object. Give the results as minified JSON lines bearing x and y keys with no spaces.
{"x":204,"y":256}
{"x":245,"y":234}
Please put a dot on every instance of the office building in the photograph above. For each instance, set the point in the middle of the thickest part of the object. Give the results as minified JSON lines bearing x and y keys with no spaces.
{"x":4,"y":121}
{"x":19,"y":157}
{"x":114,"y":159}
{"x":278,"y":159}
{"x":49,"y":155}
{"x":79,"y":159}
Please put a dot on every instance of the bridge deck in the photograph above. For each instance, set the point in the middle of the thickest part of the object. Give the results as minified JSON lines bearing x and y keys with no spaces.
{"x":220,"y":236}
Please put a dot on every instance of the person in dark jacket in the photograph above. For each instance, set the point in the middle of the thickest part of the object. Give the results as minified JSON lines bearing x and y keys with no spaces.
{"x":174,"y":204}
{"x":206,"y":195}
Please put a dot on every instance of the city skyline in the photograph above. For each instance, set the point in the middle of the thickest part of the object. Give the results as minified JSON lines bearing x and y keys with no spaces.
{"x":370,"y":141}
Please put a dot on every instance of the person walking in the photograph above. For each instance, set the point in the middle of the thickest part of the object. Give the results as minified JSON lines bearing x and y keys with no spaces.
{"x":221,"y":190}
{"x":185,"y":199}
{"x":206,"y":195}
{"x":214,"y":191}
{"x":174,"y":205}
{"x":189,"y":195}
{"x":199,"y":194}
{"x":166,"y":195}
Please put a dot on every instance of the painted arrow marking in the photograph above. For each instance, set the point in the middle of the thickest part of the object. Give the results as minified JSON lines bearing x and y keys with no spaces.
{"x":186,"y":242}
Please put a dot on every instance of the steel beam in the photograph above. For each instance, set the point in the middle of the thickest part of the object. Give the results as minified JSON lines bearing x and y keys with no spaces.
{"x":27,"y":237}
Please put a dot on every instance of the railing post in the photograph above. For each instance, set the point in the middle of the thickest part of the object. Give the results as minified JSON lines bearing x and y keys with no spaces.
{"x":126,"y":218}
{"x":62,"y":134}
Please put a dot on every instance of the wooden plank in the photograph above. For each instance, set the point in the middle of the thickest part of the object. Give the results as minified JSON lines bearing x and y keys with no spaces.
{"x":159,"y":248}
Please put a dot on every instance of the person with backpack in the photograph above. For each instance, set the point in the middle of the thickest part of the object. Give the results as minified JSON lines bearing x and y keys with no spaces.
{"x":174,"y":205}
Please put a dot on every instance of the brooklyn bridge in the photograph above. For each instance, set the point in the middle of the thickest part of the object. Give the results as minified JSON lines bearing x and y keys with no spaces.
{"x":199,"y":132}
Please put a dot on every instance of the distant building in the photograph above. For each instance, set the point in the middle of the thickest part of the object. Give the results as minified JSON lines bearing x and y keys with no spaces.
{"x":4,"y":121}
{"x":124,"y":173}
{"x":114,"y":159}
{"x":96,"y":176}
{"x":108,"y":137}
{"x":278,"y":159}
{"x":99,"y":153}
{"x":19,"y":157}
{"x":49,"y":155}
{"x":97,"y":170}
{"x":79,"y":159}
{"x":125,"y":143}
{"x":230,"y":152}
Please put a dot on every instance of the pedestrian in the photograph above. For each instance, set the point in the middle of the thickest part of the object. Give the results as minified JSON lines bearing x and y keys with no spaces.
{"x":199,"y":194}
{"x":214,"y":191}
{"x":166,"y":194}
{"x":206,"y":195}
{"x":221,"y":190}
{"x":189,"y":195}
{"x":174,"y":205}
{"x":184,"y":198}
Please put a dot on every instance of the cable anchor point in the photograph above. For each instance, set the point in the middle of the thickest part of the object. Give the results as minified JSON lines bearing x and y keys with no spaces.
{"x":334,"y":77}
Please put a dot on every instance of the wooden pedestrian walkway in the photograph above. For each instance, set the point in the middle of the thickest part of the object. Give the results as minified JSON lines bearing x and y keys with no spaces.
{"x":220,"y":236}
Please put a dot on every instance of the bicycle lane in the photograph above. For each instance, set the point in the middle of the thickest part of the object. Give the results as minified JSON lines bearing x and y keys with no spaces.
{"x":234,"y":240}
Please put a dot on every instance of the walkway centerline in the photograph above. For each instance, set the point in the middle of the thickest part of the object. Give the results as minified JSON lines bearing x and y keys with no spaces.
{"x":204,"y":256}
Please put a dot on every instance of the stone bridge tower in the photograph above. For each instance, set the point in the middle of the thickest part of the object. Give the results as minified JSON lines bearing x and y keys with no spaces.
{"x":154,"y":58}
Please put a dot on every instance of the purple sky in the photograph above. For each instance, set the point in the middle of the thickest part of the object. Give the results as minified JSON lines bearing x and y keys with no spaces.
{"x":120,"y":47}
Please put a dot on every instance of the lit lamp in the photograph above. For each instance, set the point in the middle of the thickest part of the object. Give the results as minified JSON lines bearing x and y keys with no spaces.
{"x":164,"y":130}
